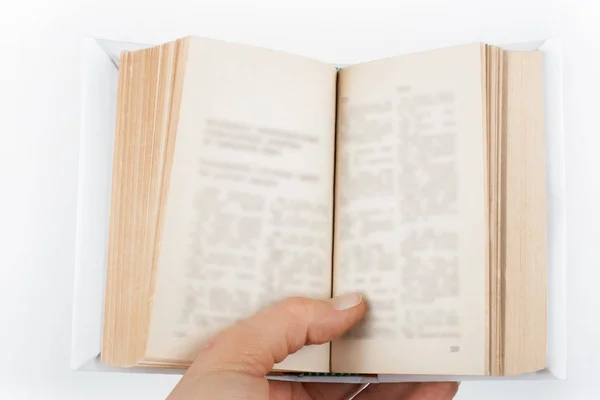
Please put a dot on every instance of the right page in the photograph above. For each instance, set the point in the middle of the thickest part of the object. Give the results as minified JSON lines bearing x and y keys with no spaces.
{"x":410,"y":213}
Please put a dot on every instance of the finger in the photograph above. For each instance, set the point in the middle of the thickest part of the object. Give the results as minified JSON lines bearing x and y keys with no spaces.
{"x":330,"y":391}
{"x":281,"y":390}
{"x":388,"y":391}
{"x":253,"y":346}
{"x":434,"y":391}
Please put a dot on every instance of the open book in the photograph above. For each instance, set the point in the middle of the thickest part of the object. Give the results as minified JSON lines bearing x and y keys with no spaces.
{"x":243,"y":175}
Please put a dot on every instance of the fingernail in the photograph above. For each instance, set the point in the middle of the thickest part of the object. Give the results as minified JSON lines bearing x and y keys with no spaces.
{"x":346,"y":301}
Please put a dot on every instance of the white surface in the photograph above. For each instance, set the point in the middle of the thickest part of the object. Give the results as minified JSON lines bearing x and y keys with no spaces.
{"x":39,"y":114}
{"x":98,"y":106}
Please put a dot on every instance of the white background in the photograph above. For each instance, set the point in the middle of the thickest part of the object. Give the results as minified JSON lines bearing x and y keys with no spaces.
{"x":39,"y":121}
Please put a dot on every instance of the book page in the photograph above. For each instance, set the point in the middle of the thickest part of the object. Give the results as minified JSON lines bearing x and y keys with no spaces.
{"x":250,"y":205}
{"x":410,"y":216}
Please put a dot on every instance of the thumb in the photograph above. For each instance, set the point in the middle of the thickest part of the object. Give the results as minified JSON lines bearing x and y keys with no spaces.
{"x":254,"y":345}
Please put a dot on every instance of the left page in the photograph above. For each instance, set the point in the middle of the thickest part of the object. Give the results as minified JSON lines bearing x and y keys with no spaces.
{"x":248,"y":217}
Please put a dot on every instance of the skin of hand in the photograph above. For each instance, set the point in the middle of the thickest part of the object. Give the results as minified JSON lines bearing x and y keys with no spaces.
{"x":234,"y":363}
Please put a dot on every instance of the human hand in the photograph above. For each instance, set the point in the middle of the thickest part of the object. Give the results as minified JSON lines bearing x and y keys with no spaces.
{"x":234,"y":363}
